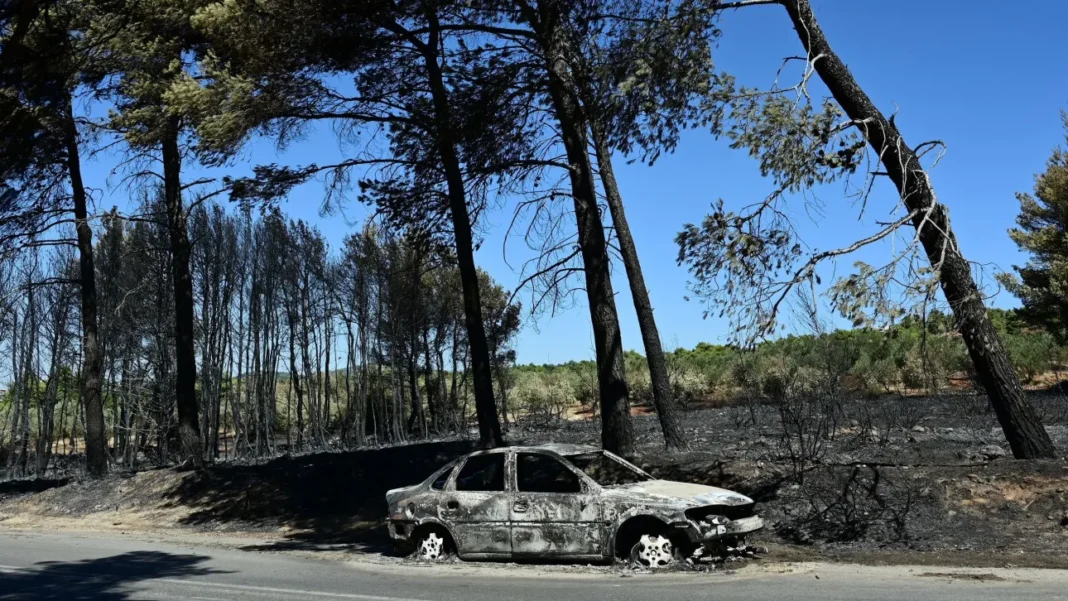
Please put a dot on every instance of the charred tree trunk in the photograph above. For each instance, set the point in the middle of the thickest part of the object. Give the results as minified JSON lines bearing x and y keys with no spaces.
{"x":328,"y":335}
{"x":1022,"y":426}
{"x":13,"y":394}
{"x":489,"y":427}
{"x":46,"y":425}
{"x":309,"y":368}
{"x":365,"y":385}
{"x":443,"y":410}
{"x":617,"y":434}
{"x":240,"y":432}
{"x":347,"y":415}
{"x":185,"y":351}
{"x":294,"y":377}
{"x":495,"y":360}
{"x":666,"y":409}
{"x":503,"y":387}
{"x":217,"y":417}
{"x":125,"y":441}
{"x":206,"y":376}
{"x":29,"y":376}
{"x":256,"y":328}
{"x":454,"y":401}
{"x":96,"y":452}
{"x":429,"y":384}
{"x":416,"y":421}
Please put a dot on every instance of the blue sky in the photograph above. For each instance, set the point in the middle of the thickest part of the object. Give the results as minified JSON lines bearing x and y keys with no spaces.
{"x":984,"y":77}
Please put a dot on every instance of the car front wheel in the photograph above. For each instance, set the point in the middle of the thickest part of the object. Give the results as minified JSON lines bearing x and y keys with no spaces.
{"x":653,"y":551}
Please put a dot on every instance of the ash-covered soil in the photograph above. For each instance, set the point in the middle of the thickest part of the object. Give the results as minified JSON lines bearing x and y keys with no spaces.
{"x":893,"y":480}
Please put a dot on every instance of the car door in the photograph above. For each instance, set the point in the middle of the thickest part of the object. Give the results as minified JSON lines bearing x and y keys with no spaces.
{"x":476,"y":506}
{"x":554,"y":512}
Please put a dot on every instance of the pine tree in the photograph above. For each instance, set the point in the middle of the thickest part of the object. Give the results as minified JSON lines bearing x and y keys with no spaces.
{"x":1042,"y":232}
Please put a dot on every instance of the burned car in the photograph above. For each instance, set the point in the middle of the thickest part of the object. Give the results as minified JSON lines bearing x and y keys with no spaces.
{"x":569,"y":502}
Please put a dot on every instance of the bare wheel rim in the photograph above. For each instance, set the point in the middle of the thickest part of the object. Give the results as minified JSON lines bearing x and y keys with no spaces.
{"x":431,"y":546}
{"x":653,"y":551}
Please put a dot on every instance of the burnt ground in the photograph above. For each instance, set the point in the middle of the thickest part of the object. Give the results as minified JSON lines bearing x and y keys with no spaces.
{"x":897,"y":479}
{"x":893,"y":480}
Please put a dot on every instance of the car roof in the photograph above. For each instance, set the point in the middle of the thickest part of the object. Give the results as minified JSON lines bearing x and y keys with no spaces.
{"x":554,"y":447}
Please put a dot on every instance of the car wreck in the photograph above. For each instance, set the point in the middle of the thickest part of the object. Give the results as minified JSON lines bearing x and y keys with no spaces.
{"x":568,"y":502}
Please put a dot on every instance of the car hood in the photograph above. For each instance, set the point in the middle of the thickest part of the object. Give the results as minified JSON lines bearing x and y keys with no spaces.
{"x":669,"y":491}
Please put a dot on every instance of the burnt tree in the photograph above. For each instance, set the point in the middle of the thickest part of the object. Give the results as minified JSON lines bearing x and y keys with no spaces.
{"x":666,"y":408}
{"x":92,"y":359}
{"x":1022,"y":426}
{"x":545,"y":20}
{"x":184,"y":347}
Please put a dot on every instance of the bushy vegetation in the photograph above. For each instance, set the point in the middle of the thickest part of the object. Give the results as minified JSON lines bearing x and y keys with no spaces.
{"x":916,"y":356}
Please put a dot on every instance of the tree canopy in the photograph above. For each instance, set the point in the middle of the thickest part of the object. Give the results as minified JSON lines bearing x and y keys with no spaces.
{"x":1042,"y":283}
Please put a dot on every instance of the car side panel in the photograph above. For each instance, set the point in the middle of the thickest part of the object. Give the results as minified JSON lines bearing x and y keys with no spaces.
{"x":557,"y":524}
{"x":479,"y":521}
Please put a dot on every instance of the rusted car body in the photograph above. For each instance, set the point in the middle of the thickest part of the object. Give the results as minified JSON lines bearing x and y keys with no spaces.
{"x":566,"y":502}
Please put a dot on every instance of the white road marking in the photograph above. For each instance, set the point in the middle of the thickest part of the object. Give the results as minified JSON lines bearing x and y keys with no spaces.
{"x":287,"y":591}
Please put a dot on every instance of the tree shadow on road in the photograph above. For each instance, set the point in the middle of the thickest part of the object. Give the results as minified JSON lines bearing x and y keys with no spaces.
{"x":364,"y":537}
{"x":105,"y":579}
{"x":325,"y":501}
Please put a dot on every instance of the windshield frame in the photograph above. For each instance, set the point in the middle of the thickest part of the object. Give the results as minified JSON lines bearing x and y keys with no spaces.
{"x":642,"y":475}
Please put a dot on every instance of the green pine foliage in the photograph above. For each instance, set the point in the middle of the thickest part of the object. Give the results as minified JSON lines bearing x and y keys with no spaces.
{"x":1042,"y":283}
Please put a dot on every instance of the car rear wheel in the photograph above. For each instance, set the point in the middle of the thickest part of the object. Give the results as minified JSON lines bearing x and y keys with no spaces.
{"x":431,"y":546}
{"x":653,"y":551}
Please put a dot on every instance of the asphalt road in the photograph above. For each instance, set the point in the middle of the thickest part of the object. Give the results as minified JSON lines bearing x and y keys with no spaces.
{"x":80,"y":567}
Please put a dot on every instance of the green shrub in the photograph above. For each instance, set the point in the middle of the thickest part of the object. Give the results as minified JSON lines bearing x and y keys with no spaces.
{"x":1032,"y":353}
{"x":544,"y":396}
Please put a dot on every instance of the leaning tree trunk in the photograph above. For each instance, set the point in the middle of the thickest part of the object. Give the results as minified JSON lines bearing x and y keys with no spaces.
{"x":1023,"y":427}
{"x":617,"y":433}
{"x":489,"y":427}
{"x":666,"y":409}
{"x":96,"y":455}
{"x":184,"y":349}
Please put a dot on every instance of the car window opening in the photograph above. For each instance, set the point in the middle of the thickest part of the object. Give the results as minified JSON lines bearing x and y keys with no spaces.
{"x":542,"y":473}
{"x":607,"y":470}
{"x":439,"y":482}
{"x":482,"y":473}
